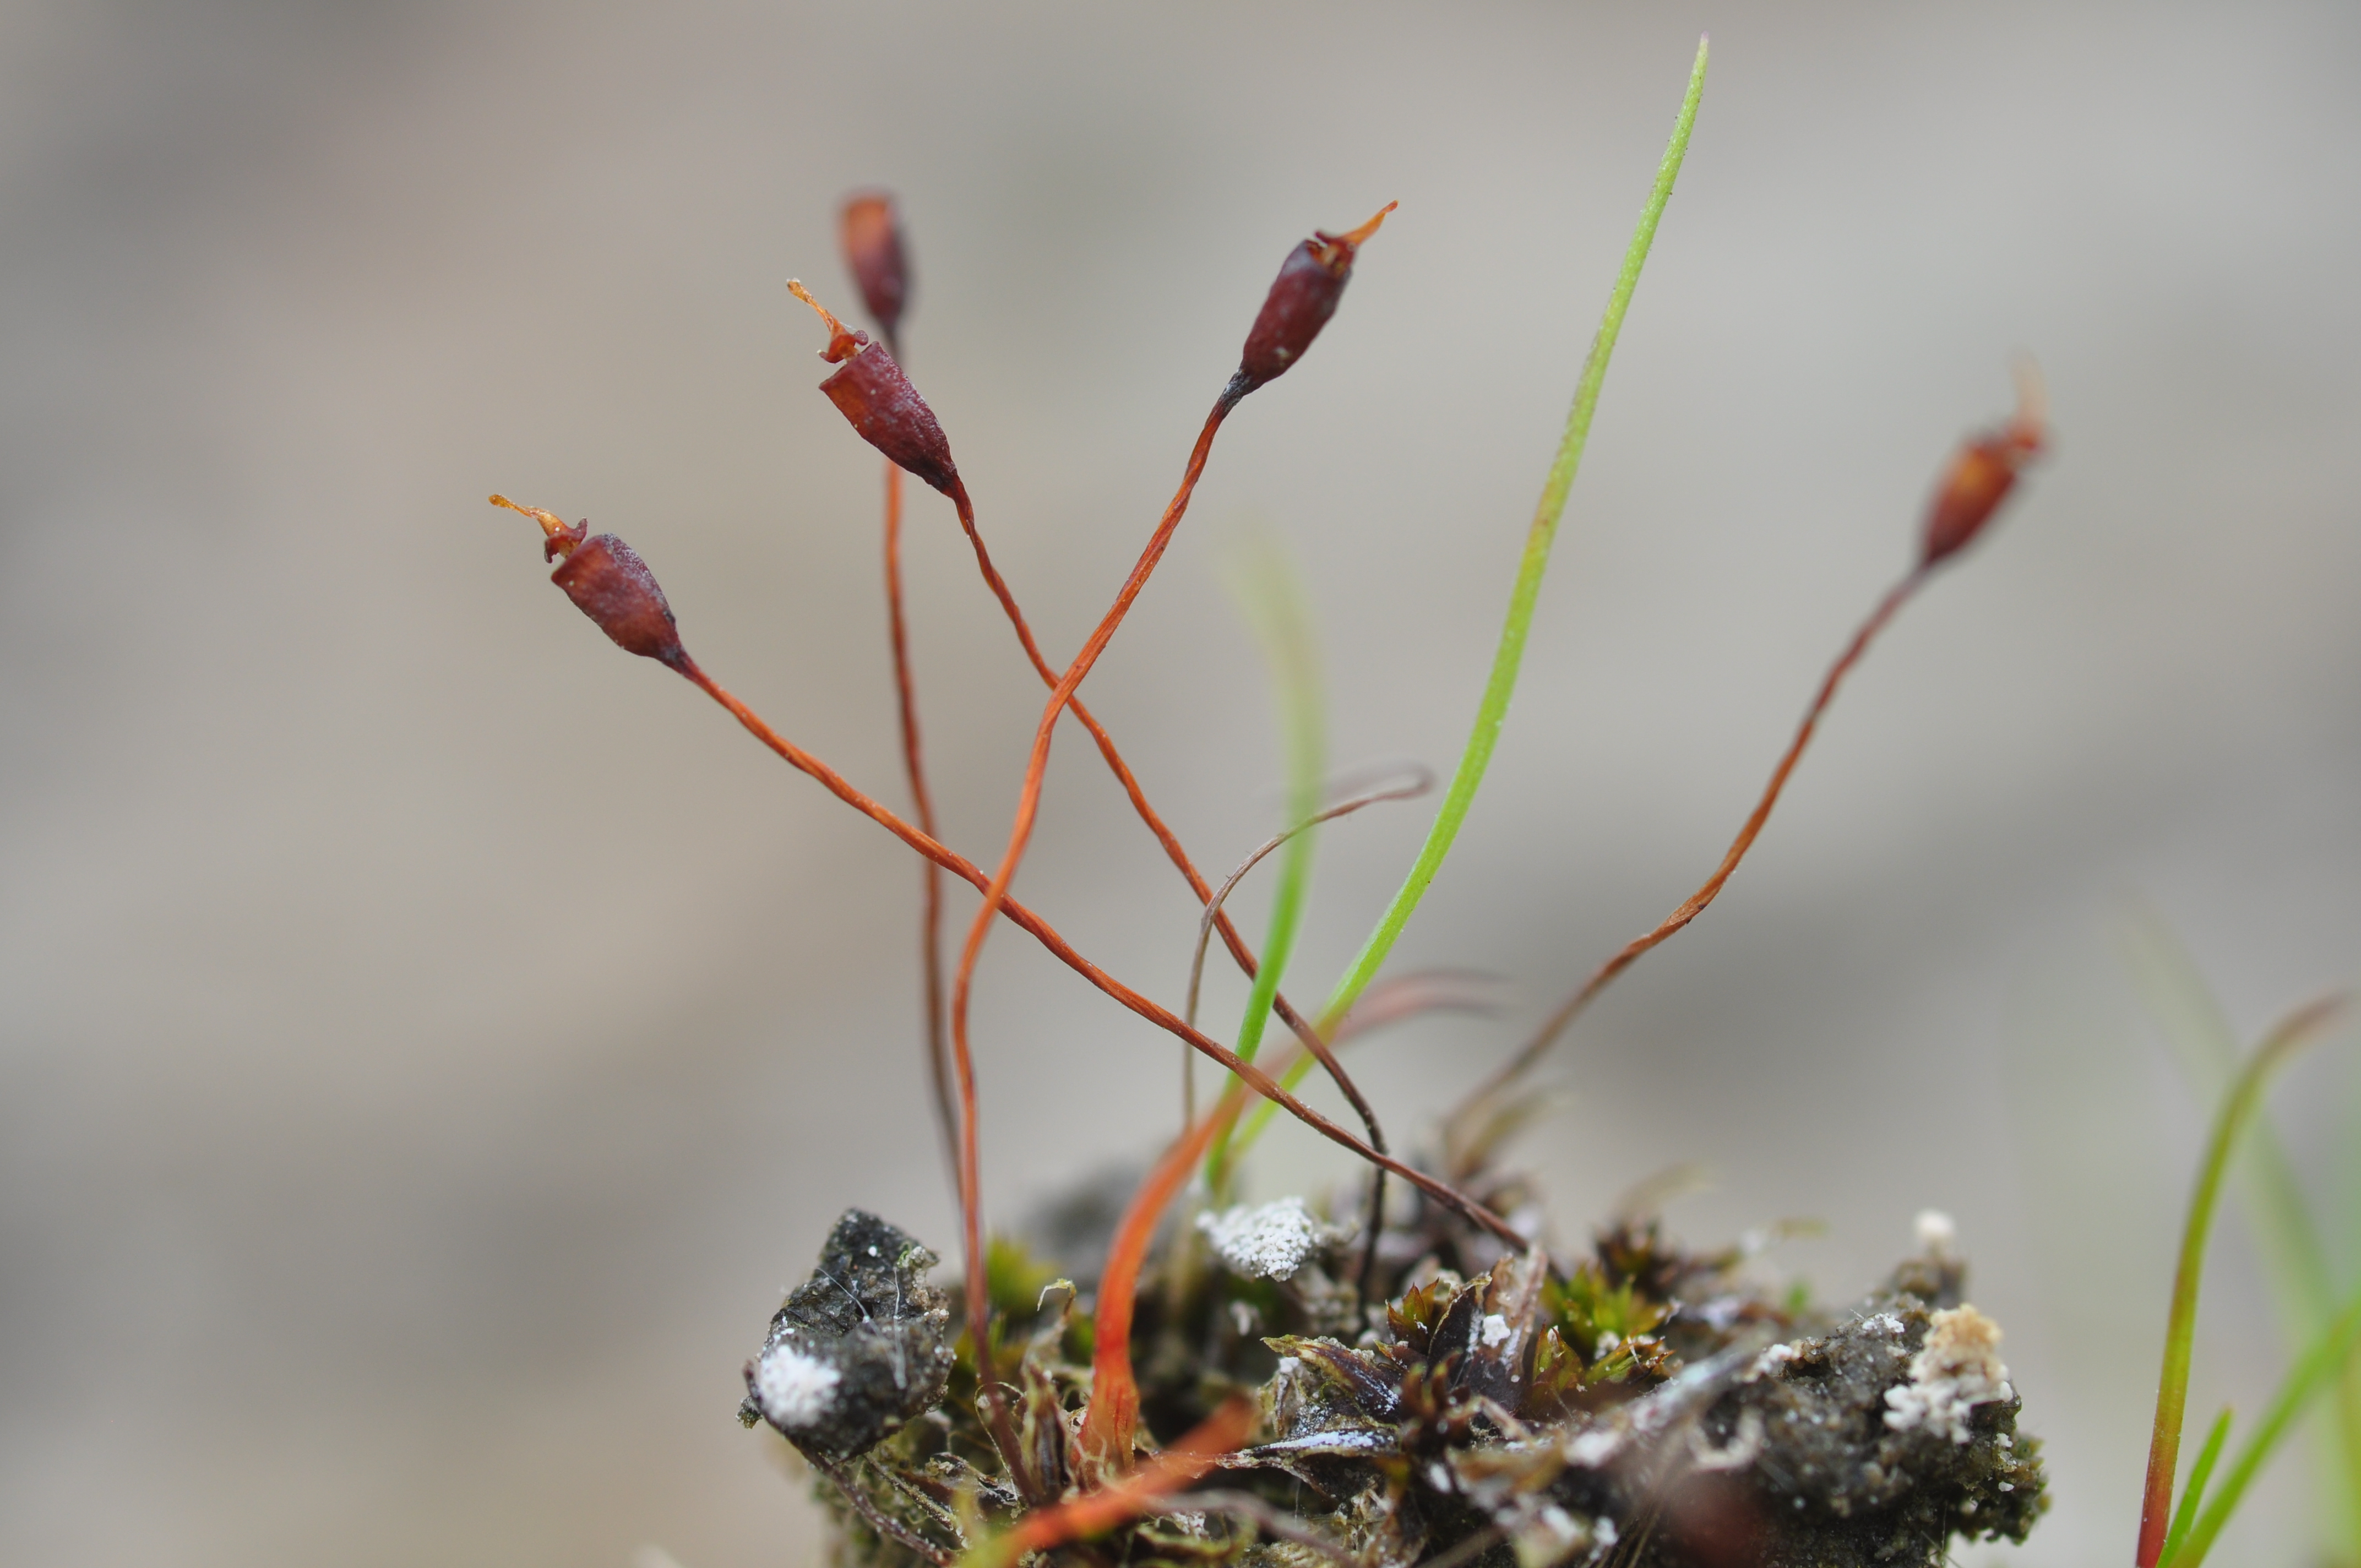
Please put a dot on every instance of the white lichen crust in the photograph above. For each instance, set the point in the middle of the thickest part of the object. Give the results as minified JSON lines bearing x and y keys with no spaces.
{"x":1957,"y":1369}
{"x":1268,"y":1241}
{"x":797,"y":1392}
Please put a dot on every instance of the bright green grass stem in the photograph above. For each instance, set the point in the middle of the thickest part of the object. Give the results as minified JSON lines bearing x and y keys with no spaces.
{"x":1275,"y":602}
{"x":2194,"y":1493}
{"x":2294,"y":1254}
{"x":2238,"y":1108}
{"x":2316,"y":1370}
{"x":1493,"y":711}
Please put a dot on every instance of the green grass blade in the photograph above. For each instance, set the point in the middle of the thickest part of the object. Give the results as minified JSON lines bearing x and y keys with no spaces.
{"x":1492,"y":711}
{"x":2193,"y":1493}
{"x":2314,"y":1371}
{"x":1250,"y":1127}
{"x":2193,"y":1023}
{"x":2172,"y":1382}
{"x":1271,"y":596}
{"x":2295,"y":1257}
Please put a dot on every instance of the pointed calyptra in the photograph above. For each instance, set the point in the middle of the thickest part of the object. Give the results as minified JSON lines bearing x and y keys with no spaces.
{"x":1301,"y":299}
{"x":1982,"y":474}
{"x":607,"y":582}
{"x":871,"y":392}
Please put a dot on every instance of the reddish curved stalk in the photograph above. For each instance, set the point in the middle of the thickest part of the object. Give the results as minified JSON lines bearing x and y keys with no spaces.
{"x":1239,"y":952}
{"x":1135,"y":1493}
{"x":930,"y":920}
{"x":997,"y":891}
{"x":1113,"y":1419}
{"x":1028,"y":802}
{"x":1041,"y":931}
{"x":1696,"y":903}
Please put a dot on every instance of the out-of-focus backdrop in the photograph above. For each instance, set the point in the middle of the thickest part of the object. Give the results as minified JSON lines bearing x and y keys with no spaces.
{"x":431,"y":1040}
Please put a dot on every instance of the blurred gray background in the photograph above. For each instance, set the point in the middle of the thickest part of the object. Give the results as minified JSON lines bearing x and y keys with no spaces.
{"x":430,"y":1039}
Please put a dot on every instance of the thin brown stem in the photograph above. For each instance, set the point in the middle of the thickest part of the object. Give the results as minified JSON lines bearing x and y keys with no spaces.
{"x":1041,"y":931}
{"x":1418,"y":991}
{"x":1374,"y":1224}
{"x":1696,"y":903}
{"x":1419,"y":783}
{"x":930,"y":920}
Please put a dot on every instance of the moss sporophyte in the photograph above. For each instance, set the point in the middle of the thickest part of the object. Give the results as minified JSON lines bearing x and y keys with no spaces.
{"x":1418,"y":1378}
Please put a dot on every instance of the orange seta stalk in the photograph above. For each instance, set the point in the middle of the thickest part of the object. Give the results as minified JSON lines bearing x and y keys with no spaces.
{"x":1979,"y":477}
{"x":1112,"y":1423}
{"x":938,"y":1047}
{"x":1025,"y":919}
{"x":1136,"y":1494}
{"x":995,"y":891}
{"x":1696,"y":903}
{"x":930,"y":920}
{"x":870,"y":233}
{"x":876,"y":395}
{"x":1299,"y":303}
{"x":1173,"y":850}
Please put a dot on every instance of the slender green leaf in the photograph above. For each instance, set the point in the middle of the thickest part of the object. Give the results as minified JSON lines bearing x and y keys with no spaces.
{"x":2194,"y":1492}
{"x":2172,"y":1383}
{"x":2294,"y":1254}
{"x":1271,"y":596}
{"x":2313,"y":1372}
{"x":1492,"y":711}
{"x":2193,"y":1023}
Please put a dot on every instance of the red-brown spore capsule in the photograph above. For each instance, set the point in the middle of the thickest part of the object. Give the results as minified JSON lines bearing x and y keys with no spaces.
{"x":607,"y":582}
{"x":871,"y":392}
{"x":1310,"y":283}
{"x":1982,"y":474}
{"x":872,"y":235}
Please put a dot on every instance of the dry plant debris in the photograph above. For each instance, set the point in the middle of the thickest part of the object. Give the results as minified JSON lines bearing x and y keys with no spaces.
{"x":1640,"y":1405}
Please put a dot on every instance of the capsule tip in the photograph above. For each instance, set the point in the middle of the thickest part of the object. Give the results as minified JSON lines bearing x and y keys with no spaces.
{"x":842,"y":342}
{"x":2029,"y":428}
{"x":559,"y":538}
{"x":1360,"y":237}
{"x":1984,"y":471}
